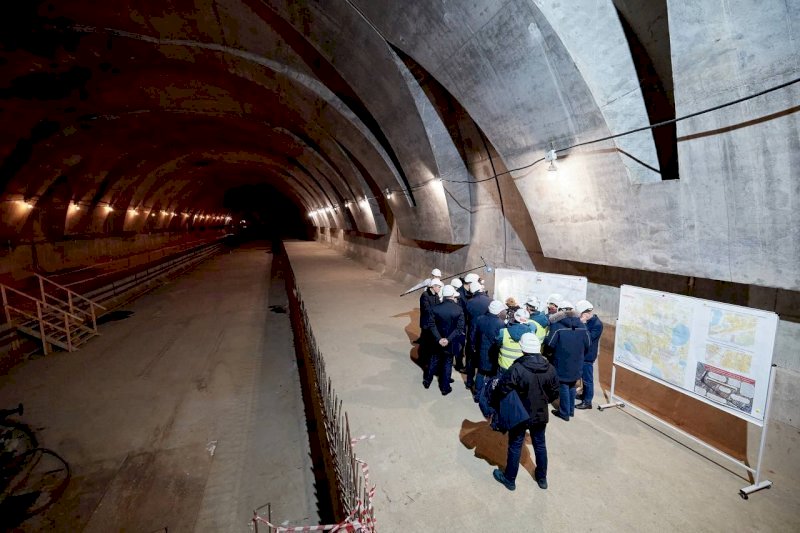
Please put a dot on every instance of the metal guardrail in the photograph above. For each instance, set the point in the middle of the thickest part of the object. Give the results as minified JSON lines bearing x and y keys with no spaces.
{"x":128,"y":284}
{"x":351,"y":475}
{"x":75,"y":310}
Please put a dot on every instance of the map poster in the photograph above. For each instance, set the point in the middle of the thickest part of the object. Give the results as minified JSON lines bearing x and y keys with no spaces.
{"x":523,"y":283}
{"x":719,"y":353}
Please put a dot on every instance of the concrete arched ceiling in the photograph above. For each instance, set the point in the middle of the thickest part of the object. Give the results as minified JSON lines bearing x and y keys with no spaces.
{"x":167,"y":105}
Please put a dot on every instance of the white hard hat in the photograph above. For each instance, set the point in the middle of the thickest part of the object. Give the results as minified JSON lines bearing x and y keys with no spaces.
{"x":449,"y":291}
{"x":496,"y":307}
{"x":533,"y":301}
{"x":437,"y":281}
{"x":436,"y":273}
{"x":529,"y":343}
{"x":455,"y":282}
{"x":521,"y":315}
{"x":554,"y":298}
{"x":583,"y":305}
{"x":565,"y":304}
{"x":470,"y":278}
{"x":475,"y":287}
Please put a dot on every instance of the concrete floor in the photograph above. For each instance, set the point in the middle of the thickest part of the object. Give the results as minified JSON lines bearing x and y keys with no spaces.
{"x":433,"y":456}
{"x":203,"y":359}
{"x":201,"y":364}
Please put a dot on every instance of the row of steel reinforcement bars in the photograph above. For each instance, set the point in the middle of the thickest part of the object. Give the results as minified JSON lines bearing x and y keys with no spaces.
{"x":347,"y":476}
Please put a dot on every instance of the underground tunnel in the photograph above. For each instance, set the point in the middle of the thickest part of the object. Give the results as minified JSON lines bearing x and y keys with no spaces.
{"x":218,"y":217}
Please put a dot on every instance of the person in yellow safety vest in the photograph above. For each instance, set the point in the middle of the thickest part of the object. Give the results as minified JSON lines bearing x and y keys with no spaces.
{"x":509,"y":337}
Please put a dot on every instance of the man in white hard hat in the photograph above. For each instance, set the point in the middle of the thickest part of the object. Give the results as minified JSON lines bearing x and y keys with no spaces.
{"x":532,"y":305}
{"x":595,"y":328}
{"x":536,"y":383}
{"x":427,"y":300}
{"x":487,"y":327}
{"x":446,"y":323}
{"x":552,"y":303}
{"x":436,"y":273}
{"x":567,"y":343}
{"x":476,"y":307}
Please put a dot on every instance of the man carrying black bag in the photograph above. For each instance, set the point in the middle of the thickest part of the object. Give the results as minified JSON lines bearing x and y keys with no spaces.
{"x":536,"y":383}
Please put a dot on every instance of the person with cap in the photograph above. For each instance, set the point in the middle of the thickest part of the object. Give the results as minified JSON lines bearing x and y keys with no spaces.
{"x":595,"y":328}
{"x":476,"y":307}
{"x":445,"y":324}
{"x":532,"y":306}
{"x":536,"y":383}
{"x":487,"y":327}
{"x":552,"y":303}
{"x":508,"y":339}
{"x":427,"y":300}
{"x":568,"y":343}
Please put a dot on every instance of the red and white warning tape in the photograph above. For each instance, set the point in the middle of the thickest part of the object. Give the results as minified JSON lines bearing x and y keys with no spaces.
{"x":360,"y":519}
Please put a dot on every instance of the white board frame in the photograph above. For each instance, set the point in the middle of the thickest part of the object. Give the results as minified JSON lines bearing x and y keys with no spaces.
{"x":544,"y":279}
{"x":763,"y":372}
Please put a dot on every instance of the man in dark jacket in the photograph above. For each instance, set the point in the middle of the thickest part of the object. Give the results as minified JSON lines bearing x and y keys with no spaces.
{"x":427,"y":300}
{"x":595,"y":328}
{"x":568,"y":342}
{"x":445,"y":324}
{"x":487,"y":327}
{"x":476,"y":307}
{"x":536,"y":383}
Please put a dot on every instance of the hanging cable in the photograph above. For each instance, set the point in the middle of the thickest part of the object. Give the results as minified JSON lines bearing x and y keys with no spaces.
{"x":585,"y":143}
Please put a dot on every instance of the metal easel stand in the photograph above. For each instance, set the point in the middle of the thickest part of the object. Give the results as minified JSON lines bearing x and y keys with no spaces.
{"x":745,"y":492}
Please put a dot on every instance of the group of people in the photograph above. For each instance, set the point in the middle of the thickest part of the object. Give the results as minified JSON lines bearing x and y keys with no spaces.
{"x":514,"y":355}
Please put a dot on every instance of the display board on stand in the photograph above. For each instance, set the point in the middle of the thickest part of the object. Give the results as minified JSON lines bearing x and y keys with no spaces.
{"x":718,"y":353}
{"x":523,"y":283}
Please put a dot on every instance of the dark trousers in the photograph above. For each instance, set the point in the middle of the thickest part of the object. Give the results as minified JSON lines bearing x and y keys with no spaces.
{"x":566,"y":402}
{"x":516,"y":437}
{"x":471,"y":367}
{"x":441,"y":365}
{"x":588,"y":382}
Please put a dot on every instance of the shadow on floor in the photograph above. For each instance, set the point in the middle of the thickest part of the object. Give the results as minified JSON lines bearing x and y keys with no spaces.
{"x":492,"y":446}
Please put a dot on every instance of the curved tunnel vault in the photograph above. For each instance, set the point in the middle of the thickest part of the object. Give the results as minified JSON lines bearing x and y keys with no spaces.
{"x":117,"y":113}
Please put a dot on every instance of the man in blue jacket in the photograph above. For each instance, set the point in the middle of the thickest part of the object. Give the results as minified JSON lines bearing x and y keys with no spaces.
{"x":459,"y":349}
{"x":476,"y":307}
{"x":427,"y":301}
{"x":568,"y":342}
{"x":536,"y":383}
{"x":595,"y":328}
{"x":445,"y":324}
{"x":487,"y":327}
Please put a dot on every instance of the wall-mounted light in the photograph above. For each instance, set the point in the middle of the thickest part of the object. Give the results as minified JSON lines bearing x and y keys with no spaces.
{"x":388,"y":193}
{"x":75,"y":206}
{"x":133,"y":212}
{"x":551,"y":156}
{"x":108,"y":208}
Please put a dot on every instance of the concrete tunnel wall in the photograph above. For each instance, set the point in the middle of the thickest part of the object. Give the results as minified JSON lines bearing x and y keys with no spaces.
{"x":153,"y":108}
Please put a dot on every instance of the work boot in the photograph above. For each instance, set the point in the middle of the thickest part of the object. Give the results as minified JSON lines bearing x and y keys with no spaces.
{"x":583,"y":406}
{"x":557,"y":413}
{"x":542,"y":483}
{"x":501,"y":478}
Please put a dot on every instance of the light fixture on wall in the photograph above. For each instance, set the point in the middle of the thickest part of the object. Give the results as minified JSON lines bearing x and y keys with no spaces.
{"x":551,"y":156}
{"x":108,"y":208}
{"x":75,"y":206}
{"x":388,"y":194}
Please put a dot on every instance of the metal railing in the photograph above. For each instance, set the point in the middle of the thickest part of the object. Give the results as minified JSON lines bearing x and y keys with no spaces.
{"x":40,"y":312}
{"x":72,"y":302}
{"x":355,"y":494}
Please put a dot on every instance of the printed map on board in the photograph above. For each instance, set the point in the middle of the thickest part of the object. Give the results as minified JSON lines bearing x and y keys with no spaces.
{"x":733,"y":328}
{"x":654,"y":337}
{"x":728,"y":358}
